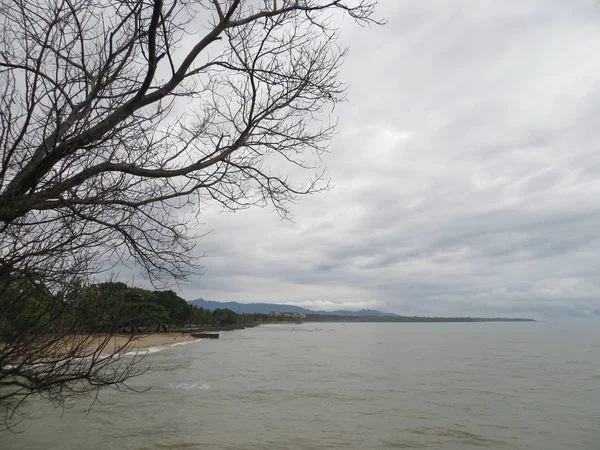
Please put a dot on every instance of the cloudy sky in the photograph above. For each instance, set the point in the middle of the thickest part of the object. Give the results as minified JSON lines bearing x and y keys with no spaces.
{"x":466,"y":172}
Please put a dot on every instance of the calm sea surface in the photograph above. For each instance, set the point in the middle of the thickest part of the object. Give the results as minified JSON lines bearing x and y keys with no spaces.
{"x":353,"y":386}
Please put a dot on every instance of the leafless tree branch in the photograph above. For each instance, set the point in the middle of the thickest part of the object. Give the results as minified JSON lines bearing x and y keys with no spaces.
{"x":120,"y":119}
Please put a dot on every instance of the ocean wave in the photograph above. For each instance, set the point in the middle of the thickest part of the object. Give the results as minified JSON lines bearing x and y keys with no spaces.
{"x":458,"y":433}
{"x":191,"y":341}
{"x":158,"y":348}
{"x":201,"y":386}
{"x":142,"y":351}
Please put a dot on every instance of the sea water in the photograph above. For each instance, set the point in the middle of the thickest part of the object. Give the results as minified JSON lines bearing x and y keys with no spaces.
{"x":347,"y":386}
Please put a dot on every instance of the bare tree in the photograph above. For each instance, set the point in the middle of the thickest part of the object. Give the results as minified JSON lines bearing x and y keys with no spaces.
{"x":121,"y":119}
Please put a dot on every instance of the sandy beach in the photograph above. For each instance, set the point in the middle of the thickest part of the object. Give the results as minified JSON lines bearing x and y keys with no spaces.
{"x":87,"y":345}
{"x":147,"y":340}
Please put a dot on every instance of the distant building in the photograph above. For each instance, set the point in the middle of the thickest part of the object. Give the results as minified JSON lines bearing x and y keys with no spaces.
{"x":294,"y":315}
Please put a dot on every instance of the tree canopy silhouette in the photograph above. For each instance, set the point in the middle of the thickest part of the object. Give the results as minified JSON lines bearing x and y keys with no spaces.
{"x":121,"y":119}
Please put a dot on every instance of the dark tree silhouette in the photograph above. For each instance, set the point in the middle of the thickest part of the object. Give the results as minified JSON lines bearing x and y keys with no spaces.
{"x":120,"y":119}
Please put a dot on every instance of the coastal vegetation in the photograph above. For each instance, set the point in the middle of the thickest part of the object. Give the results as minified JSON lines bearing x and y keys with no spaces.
{"x":117,"y":307}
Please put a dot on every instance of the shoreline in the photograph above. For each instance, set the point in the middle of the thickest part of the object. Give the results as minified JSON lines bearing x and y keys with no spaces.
{"x":145,"y":341}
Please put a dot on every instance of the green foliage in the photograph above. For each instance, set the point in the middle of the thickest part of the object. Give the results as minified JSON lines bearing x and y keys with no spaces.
{"x":31,"y":312}
{"x":225,"y":317}
{"x":137,"y":309}
{"x":114,"y":307}
{"x":179,"y":311}
{"x":24,"y":305}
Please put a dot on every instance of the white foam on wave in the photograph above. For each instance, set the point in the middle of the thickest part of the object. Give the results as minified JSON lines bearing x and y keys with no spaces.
{"x":191,"y":341}
{"x":201,"y":386}
{"x":143,"y":351}
{"x":156,"y":349}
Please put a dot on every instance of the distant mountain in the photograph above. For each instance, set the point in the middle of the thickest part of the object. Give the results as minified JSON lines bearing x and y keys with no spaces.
{"x":266,"y":308}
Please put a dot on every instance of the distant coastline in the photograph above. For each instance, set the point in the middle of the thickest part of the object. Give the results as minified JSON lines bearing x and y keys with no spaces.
{"x":408,"y":319}
{"x":364,"y":315}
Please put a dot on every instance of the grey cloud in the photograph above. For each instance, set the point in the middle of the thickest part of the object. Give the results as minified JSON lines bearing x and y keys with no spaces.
{"x":466,"y":173}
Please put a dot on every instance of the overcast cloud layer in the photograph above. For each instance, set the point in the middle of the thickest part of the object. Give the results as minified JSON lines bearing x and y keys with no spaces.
{"x":466,"y":172}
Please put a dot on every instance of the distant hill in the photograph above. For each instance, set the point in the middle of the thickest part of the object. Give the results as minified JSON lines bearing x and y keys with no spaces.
{"x":266,"y":308}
